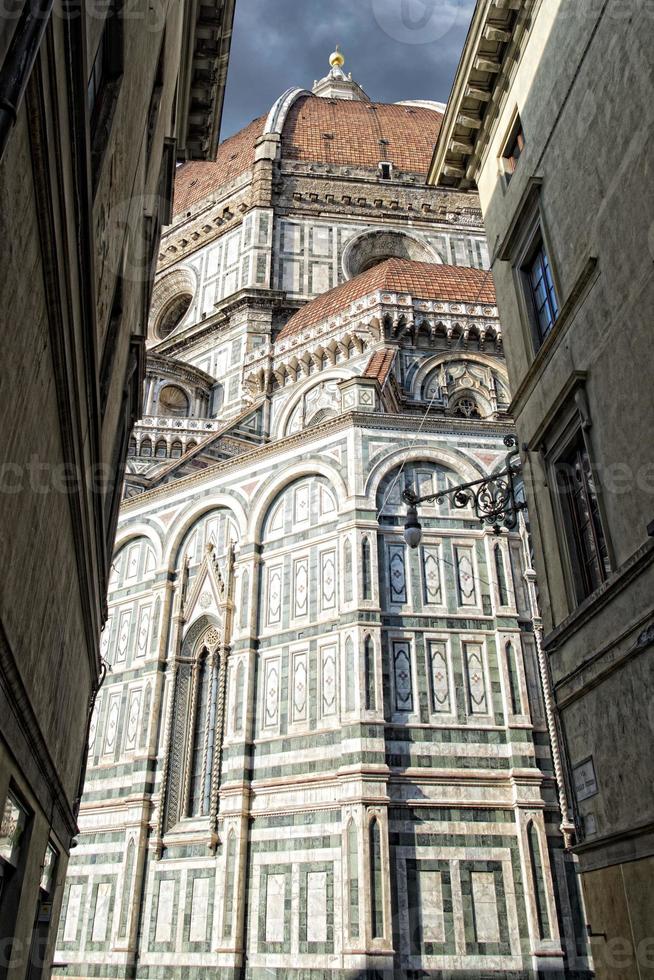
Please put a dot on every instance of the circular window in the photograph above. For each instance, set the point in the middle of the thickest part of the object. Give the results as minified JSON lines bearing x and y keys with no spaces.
{"x":374,"y":247}
{"x":171,"y":299}
{"x":173,"y":401}
{"x":172,"y":316}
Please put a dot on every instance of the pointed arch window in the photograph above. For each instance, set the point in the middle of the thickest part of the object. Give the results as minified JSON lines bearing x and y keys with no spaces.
{"x":514,"y":683}
{"x":245,"y":599}
{"x":536,"y":862}
{"x":347,"y":570}
{"x":145,"y":717}
{"x":192,"y":737}
{"x":230,"y":874}
{"x":466,"y":408}
{"x":366,"y":574}
{"x":376,"y":887}
{"x":125,"y":903}
{"x":238,"y":698}
{"x":500,"y":572}
{"x":196,"y":781}
{"x":146,"y":447}
{"x":353,"y":878}
{"x":369,"y":673}
{"x":161,"y":450}
{"x":350,"y":691}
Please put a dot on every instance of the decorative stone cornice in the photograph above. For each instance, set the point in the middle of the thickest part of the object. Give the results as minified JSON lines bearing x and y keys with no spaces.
{"x":400,"y":423}
{"x":203,"y":73}
{"x":360,"y":326}
{"x":497,"y":29}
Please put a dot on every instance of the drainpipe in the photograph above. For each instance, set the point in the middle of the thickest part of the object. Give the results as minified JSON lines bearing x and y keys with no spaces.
{"x":19,"y":61}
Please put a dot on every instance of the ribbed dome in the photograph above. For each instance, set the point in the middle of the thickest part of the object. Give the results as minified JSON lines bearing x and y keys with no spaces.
{"x":339,"y":132}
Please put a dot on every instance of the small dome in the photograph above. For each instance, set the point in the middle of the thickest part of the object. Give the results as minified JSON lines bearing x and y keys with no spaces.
{"x":423,"y":280}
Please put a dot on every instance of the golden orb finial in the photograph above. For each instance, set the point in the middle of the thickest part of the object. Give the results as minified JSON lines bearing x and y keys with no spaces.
{"x":336,"y":59}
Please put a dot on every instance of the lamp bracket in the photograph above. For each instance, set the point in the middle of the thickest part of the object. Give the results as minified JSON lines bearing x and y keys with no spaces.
{"x":492,"y":497}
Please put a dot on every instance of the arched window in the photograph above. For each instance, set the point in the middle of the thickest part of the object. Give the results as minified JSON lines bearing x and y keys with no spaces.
{"x":125,"y":903}
{"x":366,"y":574}
{"x":230,"y":874}
{"x":145,"y":718}
{"x":245,"y":599}
{"x":369,"y":673}
{"x":131,"y":448}
{"x":196,"y":781}
{"x":172,"y":315}
{"x":350,"y":676}
{"x":321,"y":416}
{"x":500,"y":572}
{"x":193,"y":730}
{"x":191,"y":445}
{"x":176,"y":450}
{"x":161,"y":450}
{"x":238,"y":698}
{"x":466,"y":408}
{"x":353,"y":878}
{"x":173,"y":401}
{"x":536,"y":863}
{"x":347,"y":570}
{"x":376,"y":887}
{"x":514,"y":682}
{"x":146,"y":448}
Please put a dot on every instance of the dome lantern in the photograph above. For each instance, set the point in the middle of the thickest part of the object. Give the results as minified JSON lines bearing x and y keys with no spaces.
{"x":336,"y":58}
{"x":336,"y":84}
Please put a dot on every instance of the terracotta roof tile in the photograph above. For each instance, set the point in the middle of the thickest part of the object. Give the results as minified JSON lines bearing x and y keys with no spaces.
{"x":380,"y":364}
{"x":423,"y":280}
{"x":360,"y":134}
{"x":197,"y":179}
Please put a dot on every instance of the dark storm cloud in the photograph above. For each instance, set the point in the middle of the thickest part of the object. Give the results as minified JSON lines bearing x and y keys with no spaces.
{"x":396,"y":49}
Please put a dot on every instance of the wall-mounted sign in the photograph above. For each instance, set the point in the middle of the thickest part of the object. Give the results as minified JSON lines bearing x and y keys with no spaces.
{"x":585,"y":780}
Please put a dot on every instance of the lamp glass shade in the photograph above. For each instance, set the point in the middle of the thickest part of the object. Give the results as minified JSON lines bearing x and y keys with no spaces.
{"x":412,"y":528}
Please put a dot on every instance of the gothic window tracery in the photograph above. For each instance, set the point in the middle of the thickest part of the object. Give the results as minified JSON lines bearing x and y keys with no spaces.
{"x":466,"y":408}
{"x":193,"y":728}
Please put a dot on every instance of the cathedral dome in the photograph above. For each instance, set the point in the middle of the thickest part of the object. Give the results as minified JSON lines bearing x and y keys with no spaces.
{"x":336,"y":132}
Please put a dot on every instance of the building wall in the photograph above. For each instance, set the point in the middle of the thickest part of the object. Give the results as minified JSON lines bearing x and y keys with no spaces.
{"x":323,"y":730}
{"x":73,"y":226}
{"x":581,"y":85}
{"x":372,"y":790}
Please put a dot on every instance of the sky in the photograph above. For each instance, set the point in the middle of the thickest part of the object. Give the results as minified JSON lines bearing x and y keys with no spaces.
{"x":395,"y":49}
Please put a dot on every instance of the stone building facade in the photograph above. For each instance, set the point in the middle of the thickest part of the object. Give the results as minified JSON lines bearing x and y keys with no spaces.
{"x":551,"y":118}
{"x":94,"y":99}
{"x":318,"y":752}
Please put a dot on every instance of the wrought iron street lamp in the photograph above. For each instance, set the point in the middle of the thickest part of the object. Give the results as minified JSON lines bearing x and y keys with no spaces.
{"x":493,"y":498}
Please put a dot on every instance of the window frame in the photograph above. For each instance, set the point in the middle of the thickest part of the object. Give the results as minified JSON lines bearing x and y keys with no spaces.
{"x":574,"y":427}
{"x":538,"y":251}
{"x":534,"y":239}
{"x":508,"y":161}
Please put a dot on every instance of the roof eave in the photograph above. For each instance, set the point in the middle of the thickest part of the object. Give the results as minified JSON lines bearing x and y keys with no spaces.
{"x":202,"y":78}
{"x":495,"y":32}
